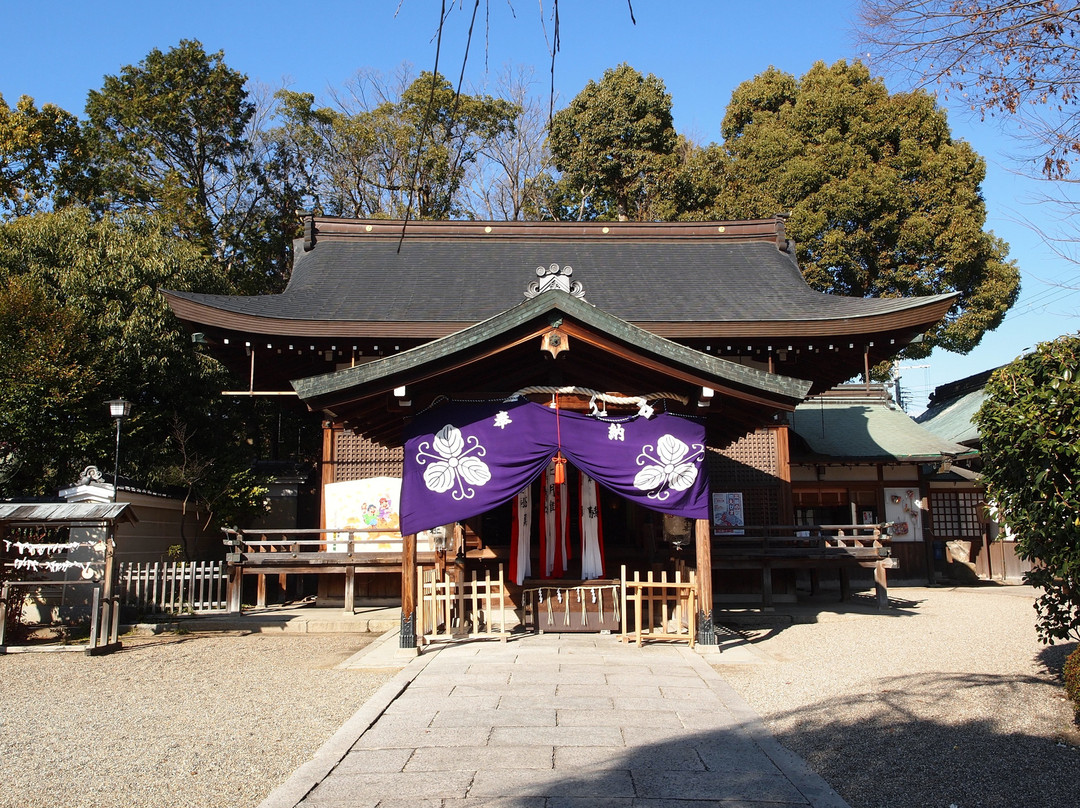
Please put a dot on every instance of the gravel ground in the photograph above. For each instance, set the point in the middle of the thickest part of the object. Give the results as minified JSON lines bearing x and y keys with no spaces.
{"x":191,"y":720}
{"x":946,"y":700}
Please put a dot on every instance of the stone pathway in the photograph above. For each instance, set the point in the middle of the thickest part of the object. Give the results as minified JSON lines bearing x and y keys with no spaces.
{"x":554,"y":721}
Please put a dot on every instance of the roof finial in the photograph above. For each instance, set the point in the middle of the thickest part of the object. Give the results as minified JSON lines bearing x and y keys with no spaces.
{"x":555,"y":277}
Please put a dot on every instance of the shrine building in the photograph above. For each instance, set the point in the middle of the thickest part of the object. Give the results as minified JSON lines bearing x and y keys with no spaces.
{"x":486,"y":380}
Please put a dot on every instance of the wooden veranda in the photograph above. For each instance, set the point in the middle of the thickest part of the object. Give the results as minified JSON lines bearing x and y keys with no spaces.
{"x":839,"y":549}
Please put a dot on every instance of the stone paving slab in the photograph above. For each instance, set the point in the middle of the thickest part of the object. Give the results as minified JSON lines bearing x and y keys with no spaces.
{"x":475,"y":758}
{"x":555,"y":721}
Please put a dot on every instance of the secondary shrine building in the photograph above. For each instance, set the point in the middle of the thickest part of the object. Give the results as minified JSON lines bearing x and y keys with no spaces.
{"x":571,"y":396}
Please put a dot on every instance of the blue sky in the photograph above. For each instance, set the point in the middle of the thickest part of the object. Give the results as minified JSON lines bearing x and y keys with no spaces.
{"x":57,"y":51}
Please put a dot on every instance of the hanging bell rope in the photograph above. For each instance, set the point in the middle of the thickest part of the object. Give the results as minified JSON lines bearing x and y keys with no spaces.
{"x":559,"y":460}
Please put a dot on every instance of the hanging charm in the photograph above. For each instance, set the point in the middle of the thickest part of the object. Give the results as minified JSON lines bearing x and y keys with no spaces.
{"x":560,"y":468}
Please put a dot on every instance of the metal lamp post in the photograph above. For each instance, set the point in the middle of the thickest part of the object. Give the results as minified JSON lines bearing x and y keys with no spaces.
{"x":119,"y":409}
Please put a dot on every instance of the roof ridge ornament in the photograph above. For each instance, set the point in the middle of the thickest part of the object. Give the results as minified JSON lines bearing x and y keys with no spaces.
{"x":555,"y":277}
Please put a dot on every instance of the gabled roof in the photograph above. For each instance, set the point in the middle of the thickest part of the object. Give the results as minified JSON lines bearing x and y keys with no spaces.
{"x":952,"y":408}
{"x":503,"y":354}
{"x":861,"y":423}
{"x":40,"y":513}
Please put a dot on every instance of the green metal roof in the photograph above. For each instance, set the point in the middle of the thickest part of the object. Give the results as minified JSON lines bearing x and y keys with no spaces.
{"x":955,"y":421}
{"x":952,"y":409}
{"x":550,"y":305}
{"x":865,"y":428}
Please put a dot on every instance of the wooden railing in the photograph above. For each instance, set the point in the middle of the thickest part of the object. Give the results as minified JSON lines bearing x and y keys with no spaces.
{"x":812,"y":547}
{"x":804,"y":538}
{"x":302,"y":551}
{"x":311,"y":546}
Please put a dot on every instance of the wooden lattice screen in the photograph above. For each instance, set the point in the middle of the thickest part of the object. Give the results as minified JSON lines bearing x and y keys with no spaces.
{"x":356,"y":458}
{"x":750,"y":465}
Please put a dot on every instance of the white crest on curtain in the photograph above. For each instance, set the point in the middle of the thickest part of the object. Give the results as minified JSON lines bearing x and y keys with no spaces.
{"x":672,"y":467}
{"x":455,"y":464}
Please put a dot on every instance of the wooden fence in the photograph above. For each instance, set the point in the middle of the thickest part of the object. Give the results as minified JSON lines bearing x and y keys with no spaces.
{"x":448,"y":610}
{"x":174,"y":587}
{"x":662,"y":609}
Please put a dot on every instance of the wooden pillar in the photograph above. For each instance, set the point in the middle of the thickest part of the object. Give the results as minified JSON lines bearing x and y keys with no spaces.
{"x":782,"y":437}
{"x":328,"y":468}
{"x":350,"y":589}
{"x":459,"y":581}
{"x":881,"y":585}
{"x":706,"y":632}
{"x":4,"y":590}
{"x":236,"y":589}
{"x":108,"y":578}
{"x":408,"y":591}
{"x":766,"y":587}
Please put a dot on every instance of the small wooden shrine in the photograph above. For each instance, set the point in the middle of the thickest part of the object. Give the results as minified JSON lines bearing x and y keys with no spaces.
{"x":62,"y":556}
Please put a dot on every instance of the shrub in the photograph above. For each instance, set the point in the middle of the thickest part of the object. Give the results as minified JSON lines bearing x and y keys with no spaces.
{"x":1030,"y":430}
{"x":1071,"y":674}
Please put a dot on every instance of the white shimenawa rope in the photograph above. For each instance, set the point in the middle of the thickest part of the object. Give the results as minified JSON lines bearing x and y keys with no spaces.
{"x":600,"y":396}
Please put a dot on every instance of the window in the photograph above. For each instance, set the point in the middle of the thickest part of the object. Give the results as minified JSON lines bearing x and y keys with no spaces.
{"x":957,"y":513}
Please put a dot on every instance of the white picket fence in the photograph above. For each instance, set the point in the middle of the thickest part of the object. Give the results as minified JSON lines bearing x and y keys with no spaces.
{"x":173,"y":587}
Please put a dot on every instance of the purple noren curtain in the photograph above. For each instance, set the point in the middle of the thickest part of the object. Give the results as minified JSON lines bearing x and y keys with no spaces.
{"x":462,"y":459}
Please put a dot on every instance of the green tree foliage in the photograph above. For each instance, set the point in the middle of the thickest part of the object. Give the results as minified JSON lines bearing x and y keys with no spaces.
{"x":1030,"y":431}
{"x":39,"y":151}
{"x":86,"y":322}
{"x":404,"y":150}
{"x":882,"y":201}
{"x":45,"y":381}
{"x":171,"y":136}
{"x":614,"y":147}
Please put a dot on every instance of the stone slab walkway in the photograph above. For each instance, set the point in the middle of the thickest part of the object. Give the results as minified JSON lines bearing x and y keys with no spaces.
{"x":554,"y":721}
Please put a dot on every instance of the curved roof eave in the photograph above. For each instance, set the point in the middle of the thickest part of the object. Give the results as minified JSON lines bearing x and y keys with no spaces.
{"x":383,"y":373}
{"x":896,"y":314}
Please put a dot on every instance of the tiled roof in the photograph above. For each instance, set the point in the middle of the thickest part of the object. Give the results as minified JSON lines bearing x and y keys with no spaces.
{"x":468,"y":275}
